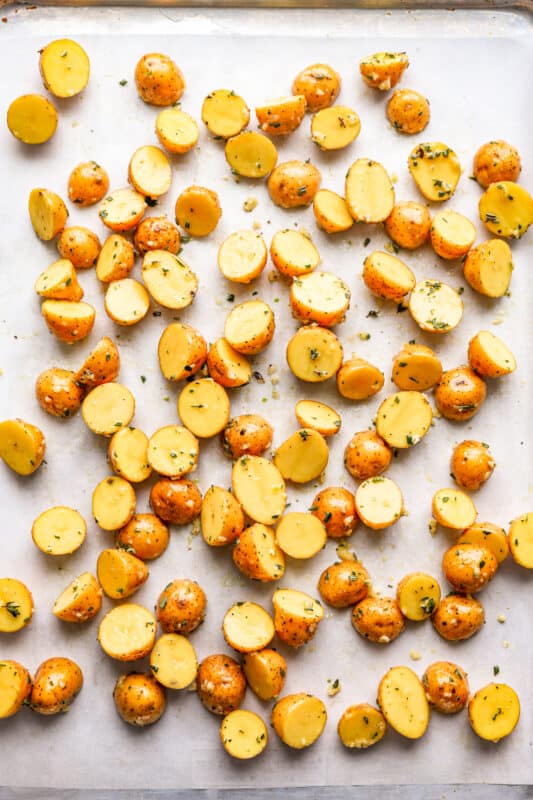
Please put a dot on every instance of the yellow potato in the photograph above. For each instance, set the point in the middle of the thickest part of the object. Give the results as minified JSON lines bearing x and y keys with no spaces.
{"x":243,"y":734}
{"x":113,"y":503}
{"x":159,"y":81}
{"x":383,"y":70}
{"x":173,"y":451}
{"x":387,"y":276}
{"x":331,"y":212}
{"x":335,"y":507}
{"x":379,"y":503}
{"x":48,"y":213}
{"x":435,"y":169}
{"x":16,"y":605}
{"x":344,"y":584}
{"x":198,"y":211}
{"x":314,"y":354}
{"x":170,"y":281}
{"x":58,"y":392}
{"x":242,"y":256}
{"x":296,"y":616}
{"x":282,"y":115}
{"x":116,"y":259}
{"x":451,"y":234}
{"x":120,"y":573}
{"x":408,"y":224}
{"x":335,"y":127}
{"x":317,"y":416}
{"x":87,"y":184}
{"x":176,"y":501}
{"x":489,"y":356}
{"x":357,"y":379}
{"x":460,"y":393}
{"x":320,"y":297}
{"x":128,"y":453}
{"x":294,"y":183}
{"x":259,"y":487}
{"x":404,"y":418}
{"x":59,"y":282}
{"x":368,"y":191}
{"x":70,"y":322}
{"x":225,"y":113}
{"x":226,"y":366}
{"x":127,"y":632}
{"x":520,"y":538}
{"x":435,"y":306}
{"x":416,"y":368}
{"x":320,"y":84}
{"x":32,"y":119}
{"x":247,"y":627}
{"x":64,"y":67}
{"x":453,"y":509}
{"x":251,"y":154}
{"x":181,"y":606}
{"x":293,"y":253}
{"x":126,"y":302}
{"x":469,"y":567}
{"x":182,"y":351}
{"x":247,"y":434}
{"x":494,"y":711}
{"x":177,"y":131}
{"x":222,"y":518}
{"x":489,"y":535}
{"x":265,"y":672}
{"x":402,"y":700}
{"x":149,"y":171}
{"x":107,"y":408}
{"x":204,"y":407}
{"x":102,"y":365}
{"x":173,"y":661}
{"x":122,"y":210}
{"x":496,"y":161}
{"x":59,"y":531}
{"x":408,"y":111}
{"x":256,"y":554}
{"x":79,"y":245}
{"x":303,"y":456}
{"x":471,"y":464}
{"x":221,"y":684}
{"x":458,"y":617}
{"x":361,"y":726}
{"x":55,"y":686}
{"x":145,"y":536}
{"x":80,"y":601}
{"x":22,"y":446}
{"x":299,"y":719}
{"x":139,"y":699}
{"x":15,"y":687}
{"x":366,"y":455}
{"x":250,"y":326}
{"x":446,"y":687}
{"x":301,"y":535}
{"x":488,"y":268}
{"x":418,"y":596}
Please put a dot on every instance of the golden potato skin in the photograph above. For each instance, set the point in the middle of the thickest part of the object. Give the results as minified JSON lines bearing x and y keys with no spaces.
{"x":409,"y":224}
{"x":102,"y":365}
{"x":181,"y":606}
{"x":320,"y":84}
{"x":157,"y":233}
{"x":144,"y":536}
{"x":335,"y":508}
{"x":458,"y":617}
{"x":221,"y":684}
{"x":446,"y":687}
{"x":58,"y":392}
{"x":139,"y":699}
{"x":378,"y":619}
{"x":471,"y":464}
{"x":159,"y":81}
{"x":176,"y":501}
{"x":344,"y":584}
{"x":366,"y":455}
{"x":460,"y":393}
{"x":56,"y":684}
{"x":496,"y":161}
{"x":294,"y":183}
{"x":246,"y":435}
{"x":408,"y":111}
{"x":469,"y":567}
{"x":88,"y":183}
{"x":80,"y":245}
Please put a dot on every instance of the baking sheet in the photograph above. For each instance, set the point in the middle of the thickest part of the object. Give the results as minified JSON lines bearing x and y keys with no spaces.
{"x":475,"y":69}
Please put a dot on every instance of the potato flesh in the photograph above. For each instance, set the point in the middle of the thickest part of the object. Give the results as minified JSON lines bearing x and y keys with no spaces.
{"x":368,"y":191}
{"x":489,"y":356}
{"x":32,"y":119}
{"x":127,"y":632}
{"x":150,"y":171}
{"x":299,"y":720}
{"x":173,"y":661}
{"x":113,"y":503}
{"x":416,"y":368}
{"x":259,"y":487}
{"x":402,"y":700}
{"x":303,"y":456}
{"x":242,"y":256}
{"x":335,"y":127}
{"x":488,"y":268}
{"x":225,"y":113}
{"x":418,"y":596}
{"x":65,"y":68}
{"x":506,"y":208}
{"x":120,"y":574}
{"x":265,"y":672}
{"x":22,"y":446}
{"x":521,"y":540}
{"x":319,"y":297}
{"x":248,"y":627}
{"x":282,"y":115}
{"x":379,"y":502}
{"x":15,"y":686}
{"x":318,"y":416}
{"x":257,"y":554}
{"x":494,"y":711}
{"x":387,"y":276}
{"x":59,"y":282}
{"x":359,"y":380}
{"x":454,"y":509}
{"x":115,"y":260}
{"x":435,"y":169}
{"x":128,"y":454}
{"x":122,"y":210}
{"x":16,"y":605}
{"x":452,"y":234}
{"x":80,"y":601}
{"x":403,"y":419}
{"x":293,"y":603}
{"x":170,"y":281}
{"x":204,"y":407}
{"x":314,"y":354}
{"x":435,"y":306}
{"x":222,"y":519}
{"x":488,"y":535}
{"x":48,"y":213}
{"x":59,"y":531}
{"x":173,"y":451}
{"x":126,"y":301}
{"x":198,"y":211}
{"x":361,"y":726}
{"x":301,"y":535}
{"x":331,"y":212}
{"x":251,"y":154}
{"x":182,"y":351}
{"x":108,"y":408}
{"x":293,"y":253}
{"x":249,"y":327}
{"x":244,"y":734}
{"x":68,"y":321}
{"x":176,"y":130}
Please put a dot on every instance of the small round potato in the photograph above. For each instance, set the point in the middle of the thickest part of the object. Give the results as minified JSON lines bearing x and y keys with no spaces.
{"x":243,"y":734}
{"x":361,"y":726}
{"x":320,"y":84}
{"x":80,"y":245}
{"x":145,"y":536}
{"x":452,"y":234}
{"x":246,"y":435}
{"x":458,"y":617}
{"x":22,"y":445}
{"x":378,"y":619}
{"x":222,"y":519}
{"x":177,"y":131}
{"x":358,"y":379}
{"x":293,"y":184}
{"x":418,"y":594}
{"x":409,"y":224}
{"x":225,"y":113}
{"x":58,"y":392}
{"x":32,"y":119}
{"x":102,"y":365}
{"x":446,"y":687}
{"x":176,"y":501}
{"x":55,"y":686}
{"x":383,"y":70}
{"x":282,"y":115}
{"x":157,"y":233}
{"x":265,"y":672}
{"x":198,"y":210}
{"x":416,"y":367}
{"x":139,"y":699}
{"x":159,"y":81}
{"x":65,"y":67}
{"x":489,"y":356}
{"x":320,"y":297}
{"x":88,"y":183}
{"x":335,"y":508}
{"x":453,"y":508}
{"x":408,"y":111}
{"x":469,"y":567}
{"x":15,"y":687}
{"x":366,"y":455}
{"x":460,"y":393}
{"x":494,"y":711}
{"x":181,"y":606}
{"x":496,"y":161}
{"x":299,"y":719}
{"x":221,"y":684}
{"x":471,"y":464}
{"x":489,"y":535}
{"x":16,"y":605}
{"x":344,"y":584}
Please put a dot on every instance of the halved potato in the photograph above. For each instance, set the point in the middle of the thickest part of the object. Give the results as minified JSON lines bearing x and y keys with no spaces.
{"x":496,"y":161}
{"x":403,"y":701}
{"x":294,"y":183}
{"x":247,"y":434}
{"x":489,"y":535}
{"x":320,"y":84}
{"x":265,"y":672}
{"x":257,"y":554}
{"x":320,"y":297}
{"x":176,"y":130}
{"x":173,"y":661}
{"x":149,"y":171}
{"x":126,"y":301}
{"x":139,"y":699}
{"x":435,"y":169}
{"x":226,"y":366}
{"x":520,"y":538}
{"x":293,"y":253}
{"x":80,"y":245}
{"x":22,"y":446}
{"x":318,"y":416}
{"x":453,"y":509}
{"x":494,"y":711}
{"x":127,"y":632}
{"x":242,"y":256}
{"x":416,"y":368}
{"x":451,"y":234}
{"x":173,"y":451}
{"x":460,"y":393}
{"x":247,"y":627}
{"x":16,"y":605}
{"x":120,"y":573}
{"x":145,"y":536}
{"x":335,"y":127}
{"x":32,"y":119}
{"x":221,"y":684}
{"x":489,"y":356}
{"x":446,"y":687}
{"x":251,"y":154}
{"x":59,"y":282}
{"x":48,"y":213}
{"x":361,"y":726}
{"x":87,"y":184}
{"x":225,"y":113}
{"x":102,"y":365}
{"x":170,"y":281}
{"x":314,"y":354}
{"x":378,"y":619}
{"x":159,"y":80}
{"x":408,"y":224}
{"x":80,"y":601}
{"x":59,"y":531}
{"x":506,"y":208}
{"x":301,"y":535}
{"x":335,"y":507}
{"x":435,"y":306}
{"x":157,"y":233}
{"x":64,"y":67}
{"x":357,"y":379}
{"x":115,"y":260}
{"x":113,"y":503}
{"x":299,"y":719}
{"x":296,"y":616}
{"x":198,"y":210}
{"x":469,"y":567}
{"x":344,"y":584}
{"x":488,"y":268}
{"x":15,"y":687}
{"x":418,"y":596}
{"x":128,"y":453}
{"x":458,"y":617}
{"x":55,"y":685}
{"x":303,"y":456}
{"x":58,"y":392}
{"x":282,"y":115}
{"x":368,"y":191}
{"x":366,"y":455}
{"x":243,"y":734}
{"x":387,"y":276}
{"x":331,"y":212}
{"x":222,"y":518}
{"x":408,"y":111}
{"x":69,"y":321}
{"x":259,"y":487}
{"x":250,"y":326}
{"x":107,"y":408}
{"x":122,"y":210}
{"x":182,"y":351}
{"x":383,"y":70}
{"x":379,"y":502}
{"x":181,"y":606}
{"x":204,"y":407}
{"x":404,"y":418}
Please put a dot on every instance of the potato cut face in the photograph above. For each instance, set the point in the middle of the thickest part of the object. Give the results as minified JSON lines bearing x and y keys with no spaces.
{"x":257,"y":554}
{"x":418,"y":596}
{"x":488,"y":268}
{"x":368,"y":191}
{"x":404,"y":418}
{"x":116,"y":259}
{"x":108,"y":408}
{"x":416,"y":368}
{"x":265,"y":672}
{"x":314,"y":354}
{"x":293,"y":603}
{"x":489,"y":356}
{"x":251,"y":154}
{"x":225,"y":113}
{"x":299,"y":720}
{"x":318,"y":416}
{"x":16,"y":605}
{"x":435,"y":169}
{"x":282,"y":115}
{"x":244,"y":734}
{"x":173,"y":661}
{"x":249,"y":327}
{"x":248,"y":627}
{"x":59,"y":531}
{"x":68,"y":321}
{"x":170,"y":281}
{"x":22,"y":446}
{"x":128,"y":454}
{"x":149,"y":171}
{"x":113,"y":503}
{"x":176,"y":130}
{"x":301,"y":535}
{"x":453,"y":509}
{"x":521,"y":540}
{"x":452,"y":234}
{"x":402,"y":700}
{"x":506,"y":208}
{"x":48,"y":213}
{"x":494,"y":711}
{"x":15,"y":686}
{"x":126,"y":301}
{"x":331,"y":212}
{"x":242,"y":256}
{"x":204,"y":407}
{"x":127,"y":632}
{"x":198,"y":210}
{"x":259,"y":487}
{"x":359,"y":380}
{"x":293,"y":253}
{"x":182,"y":351}
{"x":435,"y":307}
{"x":65,"y":68}
{"x":122,"y":209}
{"x":320,"y":297}
{"x":303,"y":456}
{"x":227,"y":366}
{"x":379,"y":502}
{"x":387,"y":276}
{"x":80,"y":601}
{"x":32,"y":119}
{"x":361,"y":726}
{"x":173,"y":451}
{"x":120,"y":574}
{"x":488,"y":535}
{"x":335,"y":127}
{"x":59,"y":282}
{"x":221,"y":519}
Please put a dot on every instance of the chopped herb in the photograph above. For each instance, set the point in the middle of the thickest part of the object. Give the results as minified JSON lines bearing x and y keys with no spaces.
{"x":372,"y":313}
{"x":163,"y":602}
{"x":230,"y":298}
{"x":495,"y":670}
{"x":327,"y":517}
{"x":366,"y":242}
{"x":427,"y":604}
{"x":304,"y":435}
{"x":143,"y":378}
{"x":123,"y":82}
{"x":258,"y":377}
{"x":409,"y":439}
{"x":313,"y":354}
{"x":302,"y":190}
{"x":13,"y":609}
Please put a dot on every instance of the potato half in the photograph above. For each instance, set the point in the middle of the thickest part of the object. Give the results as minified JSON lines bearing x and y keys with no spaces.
{"x":379,"y":502}
{"x":80,"y":601}
{"x":173,"y":451}
{"x":64,"y":67}
{"x":259,"y":487}
{"x":435,"y":306}
{"x":299,"y":719}
{"x":59,"y":531}
{"x":127,"y":632}
{"x":494,"y":711}
{"x":488,"y":268}
{"x":225,"y":113}
{"x":506,"y":208}
{"x":303,"y":456}
{"x":403,"y":419}
{"x":204,"y":407}
{"x":173,"y":661}
{"x":368,"y":191}
{"x":32,"y":119}
{"x":320,"y":297}
{"x":361,"y":726}
{"x":16,"y":605}
{"x":301,"y":535}
{"x":170,"y":281}
{"x":222,"y":518}
{"x":120,"y":573}
{"x":296,"y":616}
{"x":22,"y":446}
{"x":435,"y":169}
{"x":15,"y":687}
{"x":247,"y":627}
{"x":108,"y":408}
{"x":243,"y":734}
{"x":402,"y":700}
{"x":520,"y":539}
{"x":314,"y":354}
{"x":257,"y":554}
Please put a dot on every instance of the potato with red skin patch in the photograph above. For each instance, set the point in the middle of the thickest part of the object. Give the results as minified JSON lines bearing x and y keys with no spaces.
{"x":378,"y":619}
{"x":159,"y":81}
{"x":176,"y":501}
{"x":446,"y":687}
{"x":366,"y":455}
{"x":458,"y":616}
{"x":335,"y":507}
{"x":221,"y":684}
{"x":181,"y":606}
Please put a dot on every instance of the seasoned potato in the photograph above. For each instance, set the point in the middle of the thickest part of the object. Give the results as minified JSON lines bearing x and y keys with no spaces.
{"x":331,"y":212}
{"x":265,"y":671}
{"x":127,"y":632}
{"x":58,"y":392}
{"x":149,"y":171}
{"x":59,"y":531}
{"x":435,"y":307}
{"x":102,"y":365}
{"x":247,"y":627}
{"x":69,"y":321}
{"x":32,"y":119}
{"x":403,"y":702}
{"x":225,"y":113}
{"x":48,"y":213}
{"x":318,"y":416}
{"x":496,"y":161}
{"x":15,"y":687}
{"x":176,"y":501}
{"x":494,"y":711}
{"x":173,"y":661}
{"x":300,"y":535}
{"x":248,"y":434}
{"x":282,"y":115}
{"x":314,"y":354}
{"x":296,"y":616}
{"x":366,"y":455}
{"x":418,"y":595}
{"x":173,"y":451}
{"x":460,"y":393}
{"x":446,"y":687}
{"x":120,"y":573}
{"x":226,"y":366}
{"x":198,"y":210}
{"x":242,"y":256}
{"x":506,"y":208}
{"x":221,"y":684}
{"x":469,"y":567}
{"x":128,"y":454}
{"x":520,"y":539}
{"x":378,"y":619}
{"x":139,"y":699}
{"x":59,"y":282}
{"x":145,"y":536}
{"x":387,"y":276}
{"x":408,"y":224}
{"x":251,"y":154}
{"x":177,"y":131}
{"x":320,"y":84}
{"x":204,"y":407}
{"x":299,"y":719}
{"x":458,"y":617}
{"x":488,"y":268}
{"x":344,"y":584}
{"x":107,"y":408}
{"x":170,"y":281}
{"x":181,"y":606}
{"x":451,"y":234}
{"x":416,"y":367}
{"x":383,"y":70}
{"x":122,"y":210}
{"x":335,"y":127}
{"x":259,"y":487}
{"x":368,"y":191}
{"x":157,"y":233}
{"x":471,"y":464}
{"x":257,"y":555}
{"x":320,"y":297}
{"x":361,"y":726}
{"x":64,"y":67}
{"x":408,"y":111}
{"x":404,"y":418}
{"x":16,"y":605}
{"x":113,"y":503}
{"x":294,"y":183}
{"x":79,"y":245}
{"x":88,"y":183}
{"x":303,"y":456}
{"x":293,"y":253}
{"x":335,"y":508}
{"x":182,"y":351}
{"x":22,"y":446}
{"x":56,"y":684}
{"x":250,"y":326}
{"x":489,"y":356}
{"x":435,"y":169}
{"x":116,"y":259}
{"x":489,"y":535}
{"x":159,"y":81}
{"x":222,"y":517}
{"x":453,"y":509}
{"x":357,"y":379}
{"x":80,"y":601}
{"x":243,"y":734}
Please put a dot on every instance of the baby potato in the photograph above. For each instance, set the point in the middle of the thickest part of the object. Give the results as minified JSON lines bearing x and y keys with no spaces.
{"x":387,"y":276}
{"x":149,"y":171}
{"x":251,"y":154}
{"x":361,"y":726}
{"x":453,"y":509}
{"x":56,"y":684}
{"x":299,"y":719}
{"x":79,"y":245}
{"x":88,"y":183}
{"x":80,"y":601}
{"x":488,"y":268}
{"x":378,"y":619}
{"x":403,"y":702}
{"x":344,"y":584}
{"x":48,"y":213}
{"x":506,"y":208}
{"x":247,"y":627}
{"x":408,"y":111}
{"x":145,"y":536}
{"x":368,"y":191}
{"x":489,"y":356}
{"x":446,"y":687}
{"x":157,"y":233}
{"x":335,"y":127}
{"x":225,"y":113}
{"x":226,"y":366}
{"x":265,"y":672}
{"x":320,"y":84}
{"x":173,"y":661}
{"x":471,"y":464}
{"x":64,"y":67}
{"x":318,"y":416}
{"x":108,"y":407}
{"x":32,"y":119}
{"x":59,"y":531}
{"x":58,"y":392}
{"x":435,"y":307}
{"x":247,"y":434}
{"x":458,"y":617}
{"x":181,"y":606}
{"x":469,"y":567}
{"x":250,"y":326}
{"x":69,"y":322}
{"x":113,"y":503}
{"x":335,"y":508}
{"x":176,"y":501}
{"x":222,"y":517}
{"x":170,"y":281}
{"x":243,"y":734}
{"x":408,"y":224}
{"x":296,"y":616}
{"x":257,"y":555}
{"x":496,"y":161}
{"x":173,"y":452}
{"x":177,"y":131}
{"x":494,"y":711}
{"x":300,"y":535}
{"x":128,"y":452}
{"x":120,"y":573}
{"x":259,"y":487}
{"x":15,"y":687}
{"x":221,"y":684}
{"x":302,"y":457}
{"x":435,"y":169}
{"x":418,"y":595}
{"x":122,"y":210}
{"x":383,"y":70}
{"x":404,"y":418}
{"x":416,"y":367}
{"x":59,"y":282}
{"x":127,"y":632}
{"x":460,"y":393}
{"x":242,"y":256}
{"x":320,"y":297}
{"x":294,"y":183}
{"x":22,"y":446}
{"x":451,"y":234}
{"x":366,"y":455}
{"x":314,"y":354}
{"x":331,"y":212}
{"x":488,"y":535}
{"x":520,"y":539}
{"x":293,"y":253}
{"x":182,"y":351}
{"x":282,"y":115}
{"x":139,"y":699}
{"x":198,"y":210}
{"x":16,"y":605}
{"x":159,"y":81}
{"x":204,"y":407}
{"x":102,"y":365}
{"x":116,"y":259}
{"x":357,"y":379}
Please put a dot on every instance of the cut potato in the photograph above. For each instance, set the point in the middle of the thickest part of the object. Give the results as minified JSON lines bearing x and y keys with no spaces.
{"x":128,"y":454}
{"x":59,"y":531}
{"x":149,"y":171}
{"x":177,"y":501}
{"x":451,"y":234}
{"x":257,"y":554}
{"x":403,"y":701}
{"x":379,"y":503}
{"x":418,"y":596}
{"x":221,"y":683}
{"x":198,"y":210}
{"x":320,"y":297}
{"x":182,"y":351}
{"x":294,"y":183}
{"x":173,"y":661}
{"x":107,"y":408}
{"x":453,"y":509}
{"x":320,"y":84}
{"x":335,"y":507}
{"x":460,"y":393}
{"x":126,"y":302}
{"x":383,"y":70}
{"x":204,"y":407}
{"x":173,"y":451}
{"x":404,"y":418}
{"x":331,"y":212}
{"x":243,"y":734}
{"x":314,"y":354}
{"x":282,"y":115}
{"x":222,"y":518}
{"x":259,"y":487}
{"x":250,"y":326}
{"x":145,"y":536}
{"x":488,"y":535}
{"x":299,"y":719}
{"x":122,"y":210}
{"x":247,"y":627}
{"x":58,"y":393}
{"x":176,"y":130}
{"x":115,"y":260}
{"x":32,"y":119}
{"x":157,"y":233}
{"x":387,"y":276}
{"x":170,"y":281}
{"x":494,"y":711}
{"x":318,"y":416}
{"x":506,"y":208}
{"x":22,"y":446}
{"x":16,"y":605}
{"x":226,"y":366}
{"x":70,"y":322}
{"x":139,"y":699}
{"x":59,"y":282}
{"x":181,"y":606}
{"x":496,"y":161}
{"x":48,"y":213}
{"x":293,"y":253}
{"x":301,"y":535}
{"x":225,"y":113}
{"x":335,"y":127}
{"x":242,"y":256}
{"x":265,"y":672}
{"x":446,"y":687}
{"x":408,"y":224}
{"x":469,"y":567}
{"x":366,"y":455}
{"x":113,"y":503}
{"x":458,"y":617}
{"x":80,"y":601}
{"x":87,"y":184}
{"x":102,"y":365}
{"x":357,"y":379}
{"x":64,"y":67}
{"x":251,"y":155}
{"x":296,"y":616}
{"x":15,"y":687}
{"x":303,"y":456}
{"x":489,"y":356}
{"x":120,"y":573}
{"x":435,"y":169}
{"x":127,"y":632}
{"x":368,"y":191}
{"x":361,"y":726}
{"x":378,"y":619}
{"x":488,"y":268}
{"x":435,"y":306}
{"x":416,"y":368}
{"x":520,"y":538}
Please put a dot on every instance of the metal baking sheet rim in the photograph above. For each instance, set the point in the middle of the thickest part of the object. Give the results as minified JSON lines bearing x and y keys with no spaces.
{"x":497,"y":5}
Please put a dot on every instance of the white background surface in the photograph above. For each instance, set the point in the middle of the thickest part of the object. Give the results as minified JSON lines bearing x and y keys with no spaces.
{"x":476,"y":71}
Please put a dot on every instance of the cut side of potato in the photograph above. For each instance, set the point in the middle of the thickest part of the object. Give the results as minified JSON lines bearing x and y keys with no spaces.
{"x":113,"y":503}
{"x":80,"y":601}
{"x":335,"y":127}
{"x":120,"y":574}
{"x":226,"y":366}
{"x":48,"y":213}
{"x":16,"y":605}
{"x":301,"y":535}
{"x":520,"y":539}
{"x":451,"y":234}
{"x":243,"y":734}
{"x":115,"y":260}
{"x":225,"y":113}
{"x":453,"y":509}
{"x":222,"y":518}
{"x":416,"y":368}
{"x":494,"y":711}
{"x":70,"y":322}
{"x":488,"y":268}
{"x":265,"y":672}
{"x":318,"y":416}
{"x":383,"y":70}
{"x":361,"y":726}
{"x":170,"y":281}
{"x":107,"y":408}
{"x":173,"y":661}
{"x":259,"y":487}
{"x":149,"y":171}
{"x":198,"y":210}
{"x":22,"y":446}
{"x":379,"y":502}
{"x":251,"y":154}
{"x":404,"y":418}
{"x":387,"y":276}
{"x":357,"y":379}
{"x":122,"y":210}
{"x":32,"y":119}
{"x":435,"y":169}
{"x":435,"y":306}
{"x":506,"y":208}
{"x":299,"y":719}
{"x":204,"y":407}
{"x":331,"y":212}
{"x":293,"y":253}
{"x":64,"y":67}
{"x":257,"y":554}
{"x":173,"y":451}
{"x":59,"y":282}
{"x":303,"y":456}
{"x":176,"y":130}
{"x":126,"y":301}
{"x":418,"y":596}
{"x":368,"y":191}
{"x":127,"y":632}
{"x":488,"y":535}
{"x":489,"y":356}
{"x":403,"y":701}
{"x":242,"y":256}
{"x":59,"y":531}
{"x":249,"y":327}
{"x":296,"y":616}
{"x":314,"y":354}
{"x":15,"y":687}
{"x":282,"y":115}
{"x":320,"y":297}
{"x":182,"y":351}
{"x":247,"y":627}
{"x":128,"y":454}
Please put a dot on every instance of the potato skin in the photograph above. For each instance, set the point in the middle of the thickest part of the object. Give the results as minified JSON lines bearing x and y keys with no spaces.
{"x":460,"y":393}
{"x":366,"y":455}
{"x":145,"y":536}
{"x":176,"y":501}
{"x":181,"y":606}
{"x":139,"y":699}
{"x":335,"y":508}
{"x":469,"y":567}
{"x":446,"y":687}
{"x":409,"y":224}
{"x":344,"y":584}
{"x":496,"y":161}
{"x":458,"y":617}
{"x":294,"y":183}
{"x":246,"y":435}
{"x":159,"y":81}
{"x":58,"y":392}
{"x":320,"y":84}
{"x":80,"y":245}
{"x":378,"y":619}
{"x":471,"y":464}
{"x":157,"y":233}
{"x":221,"y":684}
{"x":88,"y":183}
{"x":408,"y":111}
{"x":55,"y":686}
{"x":102,"y":365}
